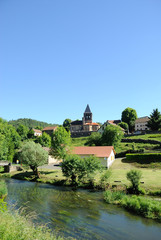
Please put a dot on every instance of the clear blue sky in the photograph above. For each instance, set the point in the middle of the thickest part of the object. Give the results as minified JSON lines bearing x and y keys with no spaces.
{"x":57,"y":56}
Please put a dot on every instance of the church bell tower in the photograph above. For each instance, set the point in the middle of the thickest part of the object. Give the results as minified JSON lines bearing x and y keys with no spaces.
{"x":87,"y":115}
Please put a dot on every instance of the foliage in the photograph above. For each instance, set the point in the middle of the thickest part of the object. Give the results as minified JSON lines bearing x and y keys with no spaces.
{"x":60,"y":143}
{"x":76,"y":168}
{"x":3,"y":206}
{"x":33,"y":155}
{"x":144,"y":157}
{"x":30,"y":123}
{"x":30,"y":134}
{"x":123,"y":125}
{"x":112,"y":136}
{"x":44,"y":140}
{"x":155,"y":120}
{"x":66,"y":124}
{"x":129,"y":116}
{"x":3,"y":189}
{"x":104,"y":179}
{"x":9,"y":141}
{"x":139,"y":205}
{"x":113,"y":197}
{"x":134,"y":177}
{"x":22,"y":131}
{"x":94,"y":139}
{"x":14,"y":226}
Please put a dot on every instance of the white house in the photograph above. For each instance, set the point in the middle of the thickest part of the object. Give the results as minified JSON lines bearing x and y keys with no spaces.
{"x":141,"y":124}
{"x":106,"y":154}
{"x":37,"y":132}
{"x":112,"y":122}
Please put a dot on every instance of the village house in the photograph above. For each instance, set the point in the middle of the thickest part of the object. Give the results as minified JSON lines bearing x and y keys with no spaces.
{"x":85,"y":127}
{"x":49,"y":130}
{"x":141,"y":124}
{"x":108,"y":122}
{"x":37,"y":132}
{"x":106,"y":154}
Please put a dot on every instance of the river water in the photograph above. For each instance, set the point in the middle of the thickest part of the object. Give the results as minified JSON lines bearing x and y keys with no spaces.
{"x":79,"y":214}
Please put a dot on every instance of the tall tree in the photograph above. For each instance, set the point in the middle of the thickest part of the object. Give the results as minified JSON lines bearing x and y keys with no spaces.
{"x":155,"y":120}
{"x":112,"y":136}
{"x":22,"y":131}
{"x":66,"y":124}
{"x":61,"y":143}
{"x":44,"y":140}
{"x":33,"y":155}
{"x":129,"y":116}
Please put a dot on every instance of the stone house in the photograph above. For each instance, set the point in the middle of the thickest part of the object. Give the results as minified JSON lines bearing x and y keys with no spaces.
{"x":106,"y":154}
{"x":141,"y":124}
{"x":37,"y":132}
{"x":49,"y":130}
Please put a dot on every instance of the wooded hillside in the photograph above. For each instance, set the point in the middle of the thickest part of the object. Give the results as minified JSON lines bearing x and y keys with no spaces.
{"x":30,"y":123}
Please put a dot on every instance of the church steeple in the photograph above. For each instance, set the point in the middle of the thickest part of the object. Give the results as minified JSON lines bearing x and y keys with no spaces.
{"x":87,"y":115}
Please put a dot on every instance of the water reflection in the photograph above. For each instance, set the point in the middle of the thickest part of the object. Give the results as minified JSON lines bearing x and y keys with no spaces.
{"x":80,"y":214}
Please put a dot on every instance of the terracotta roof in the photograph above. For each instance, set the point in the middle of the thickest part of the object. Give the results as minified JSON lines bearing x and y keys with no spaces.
{"x":142,"y":120}
{"x":98,"y":151}
{"x":50,"y":128}
{"x":92,"y":124}
{"x":37,"y":130}
{"x":114,"y":122}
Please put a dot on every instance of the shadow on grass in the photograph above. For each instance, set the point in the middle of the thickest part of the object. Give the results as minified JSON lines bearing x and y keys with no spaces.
{"x":48,"y":172}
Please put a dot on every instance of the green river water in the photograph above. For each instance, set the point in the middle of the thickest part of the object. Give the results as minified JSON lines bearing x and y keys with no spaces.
{"x":80,"y":214}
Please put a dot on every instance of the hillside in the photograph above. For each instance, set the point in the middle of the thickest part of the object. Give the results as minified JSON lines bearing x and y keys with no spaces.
{"x":30,"y":123}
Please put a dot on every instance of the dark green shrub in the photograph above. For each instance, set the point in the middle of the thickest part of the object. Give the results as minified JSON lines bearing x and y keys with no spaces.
{"x":104,"y":180}
{"x":134,"y":177}
{"x":113,"y":197}
{"x":145,"y":158}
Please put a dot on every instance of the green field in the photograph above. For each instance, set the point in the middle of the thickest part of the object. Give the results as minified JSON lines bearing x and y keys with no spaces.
{"x":156,"y":137}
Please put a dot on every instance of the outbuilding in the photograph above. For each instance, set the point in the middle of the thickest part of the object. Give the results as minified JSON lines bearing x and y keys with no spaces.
{"x":106,"y":154}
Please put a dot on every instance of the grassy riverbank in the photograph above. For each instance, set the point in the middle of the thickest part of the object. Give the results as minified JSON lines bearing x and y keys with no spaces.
{"x":139,"y":205}
{"x":14,"y":226}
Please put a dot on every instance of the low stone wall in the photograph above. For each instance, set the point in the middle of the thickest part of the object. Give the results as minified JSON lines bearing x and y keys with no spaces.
{"x":11,"y":168}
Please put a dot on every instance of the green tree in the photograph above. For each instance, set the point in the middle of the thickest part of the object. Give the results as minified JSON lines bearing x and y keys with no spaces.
{"x":33,"y":155}
{"x":60,"y":143}
{"x":31,"y":134}
{"x":129,"y":116}
{"x":22,"y":131}
{"x":134,"y":177}
{"x":112,"y":136}
{"x":9,"y":141}
{"x":66,"y":124}
{"x":44,"y":140}
{"x":123,"y":125}
{"x":94,"y":139}
{"x":155,"y":120}
{"x":76,"y":168}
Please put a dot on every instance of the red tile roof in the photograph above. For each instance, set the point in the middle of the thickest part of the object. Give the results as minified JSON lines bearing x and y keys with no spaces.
{"x":96,"y":124}
{"x":50,"y":128}
{"x":98,"y":151}
{"x":37,"y":130}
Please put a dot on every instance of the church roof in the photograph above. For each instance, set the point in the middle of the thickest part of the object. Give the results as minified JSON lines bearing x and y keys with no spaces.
{"x":87,"y":109}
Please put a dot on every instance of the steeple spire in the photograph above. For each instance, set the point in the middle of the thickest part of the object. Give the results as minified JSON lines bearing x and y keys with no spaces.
{"x":87,"y":109}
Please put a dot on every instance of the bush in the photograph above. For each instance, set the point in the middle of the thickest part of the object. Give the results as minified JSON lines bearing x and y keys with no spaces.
{"x":113,"y":197}
{"x":104,"y":180}
{"x":145,"y":158}
{"x":3,"y":189}
{"x":134,"y":177}
{"x":76,"y":168}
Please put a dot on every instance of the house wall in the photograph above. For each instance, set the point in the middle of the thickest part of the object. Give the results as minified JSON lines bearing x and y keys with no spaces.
{"x":141,"y":126}
{"x":105,"y":161}
{"x":52,"y":160}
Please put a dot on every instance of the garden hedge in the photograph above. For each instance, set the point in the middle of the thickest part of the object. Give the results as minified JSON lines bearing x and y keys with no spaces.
{"x":144,"y":157}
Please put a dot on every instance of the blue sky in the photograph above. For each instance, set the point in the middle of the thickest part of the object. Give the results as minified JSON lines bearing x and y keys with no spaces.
{"x":57,"y":56}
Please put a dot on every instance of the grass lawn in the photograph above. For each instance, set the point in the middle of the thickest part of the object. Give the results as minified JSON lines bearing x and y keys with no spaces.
{"x":150,"y":177}
{"x":147,"y":136}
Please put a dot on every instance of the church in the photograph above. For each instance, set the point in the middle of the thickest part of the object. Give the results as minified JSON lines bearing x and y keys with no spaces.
{"x":85,"y":127}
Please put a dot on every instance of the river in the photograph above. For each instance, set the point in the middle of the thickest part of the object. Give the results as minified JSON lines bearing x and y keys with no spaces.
{"x":80,"y":214}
